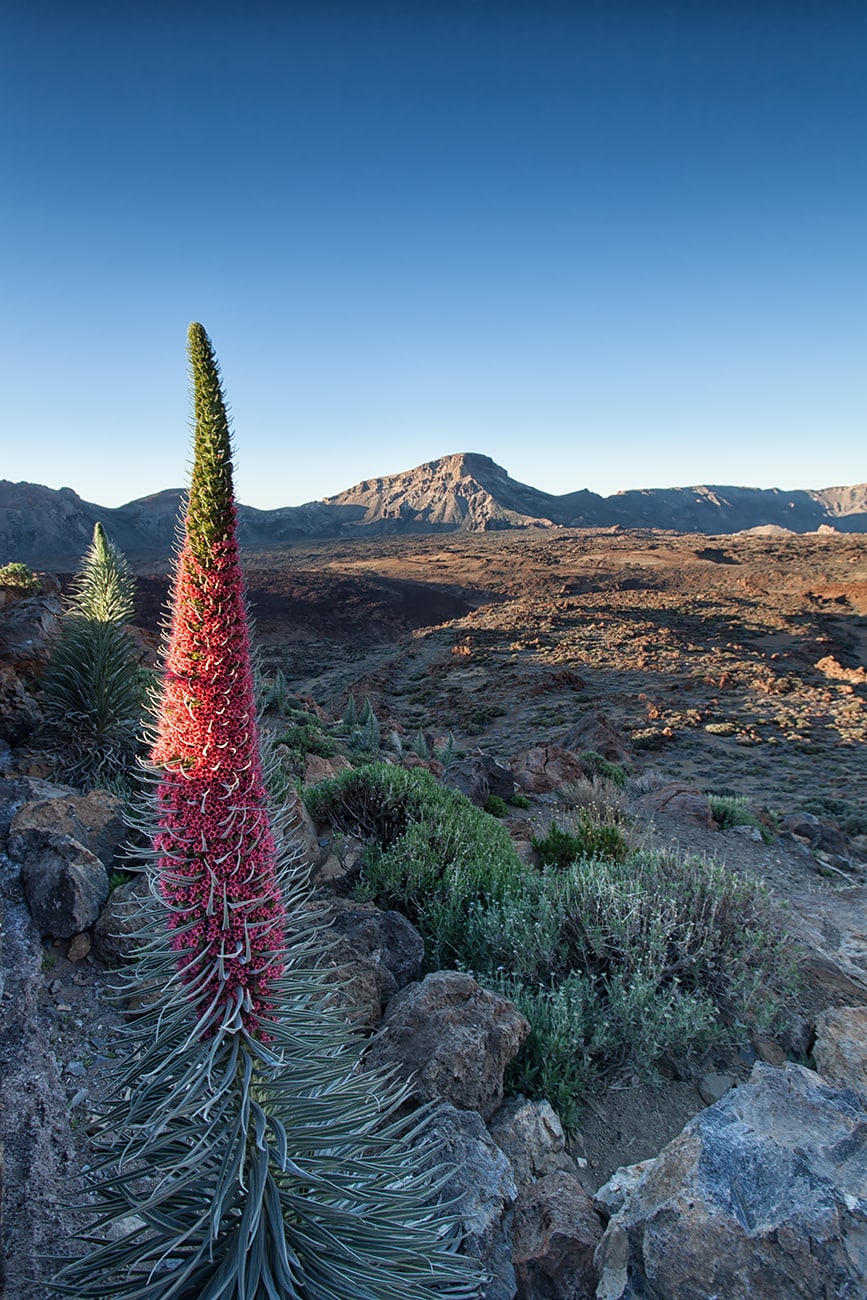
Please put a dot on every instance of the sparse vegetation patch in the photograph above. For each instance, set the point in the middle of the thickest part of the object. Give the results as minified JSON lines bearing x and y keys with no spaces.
{"x":617,"y":957}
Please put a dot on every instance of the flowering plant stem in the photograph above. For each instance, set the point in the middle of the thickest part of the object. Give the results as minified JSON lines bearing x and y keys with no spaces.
{"x":253,"y":1158}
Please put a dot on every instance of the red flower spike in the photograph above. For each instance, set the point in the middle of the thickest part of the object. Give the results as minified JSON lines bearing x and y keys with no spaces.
{"x":215,"y":850}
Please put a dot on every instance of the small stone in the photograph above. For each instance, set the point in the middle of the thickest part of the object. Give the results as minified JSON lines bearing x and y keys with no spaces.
{"x":332,"y":870}
{"x":748,"y":833}
{"x":611,"y":1196}
{"x":77,"y":1068}
{"x":79,"y":1099}
{"x":532,"y":1137}
{"x":769,"y":1050}
{"x":79,"y":947}
{"x":713,"y":1086}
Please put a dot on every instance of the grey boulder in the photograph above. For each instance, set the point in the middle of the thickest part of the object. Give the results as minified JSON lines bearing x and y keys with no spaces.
{"x":763,"y":1194}
{"x":387,"y":939}
{"x":840,"y":1051}
{"x":481,"y":1188}
{"x":478,"y":777}
{"x":65,"y":886}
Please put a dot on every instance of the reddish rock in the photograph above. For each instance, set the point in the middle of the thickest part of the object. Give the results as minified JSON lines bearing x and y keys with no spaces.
{"x":300,"y":831}
{"x":555,"y":1233}
{"x":597,"y":732}
{"x":560,"y":679}
{"x":320,"y":769}
{"x":453,"y":1038}
{"x":79,"y":947}
{"x":94,"y":820}
{"x":679,"y":800}
{"x":835,"y":670}
{"x":544,"y":768}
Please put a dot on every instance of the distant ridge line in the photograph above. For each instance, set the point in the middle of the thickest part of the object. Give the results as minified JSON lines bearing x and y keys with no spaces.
{"x":466,"y":491}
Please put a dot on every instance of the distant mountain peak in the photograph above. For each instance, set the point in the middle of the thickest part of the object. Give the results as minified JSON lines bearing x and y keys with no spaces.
{"x":465,"y":490}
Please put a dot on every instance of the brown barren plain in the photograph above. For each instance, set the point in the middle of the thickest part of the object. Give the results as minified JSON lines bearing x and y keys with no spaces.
{"x":732,"y":661}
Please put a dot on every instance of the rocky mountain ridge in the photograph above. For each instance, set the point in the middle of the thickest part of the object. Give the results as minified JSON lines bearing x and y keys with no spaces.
{"x":463,"y":492}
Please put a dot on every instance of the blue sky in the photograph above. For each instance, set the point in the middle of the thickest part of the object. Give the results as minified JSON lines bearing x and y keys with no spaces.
{"x":610,"y":246}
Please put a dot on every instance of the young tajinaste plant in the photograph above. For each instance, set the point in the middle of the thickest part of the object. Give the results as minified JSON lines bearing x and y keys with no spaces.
{"x":94,"y":689}
{"x":252,"y":1157}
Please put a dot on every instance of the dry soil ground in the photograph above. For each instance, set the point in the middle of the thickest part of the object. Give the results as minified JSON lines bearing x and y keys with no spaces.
{"x":733,"y":661}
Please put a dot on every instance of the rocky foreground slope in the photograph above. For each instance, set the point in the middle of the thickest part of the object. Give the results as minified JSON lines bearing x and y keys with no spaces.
{"x":761,"y":1193}
{"x":464,"y":492}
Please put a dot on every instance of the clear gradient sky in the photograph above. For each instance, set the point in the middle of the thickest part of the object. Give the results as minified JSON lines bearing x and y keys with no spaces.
{"x":610,"y":246}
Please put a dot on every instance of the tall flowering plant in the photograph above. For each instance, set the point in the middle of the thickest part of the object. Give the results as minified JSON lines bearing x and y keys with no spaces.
{"x":253,"y":1158}
{"x":216,"y":855}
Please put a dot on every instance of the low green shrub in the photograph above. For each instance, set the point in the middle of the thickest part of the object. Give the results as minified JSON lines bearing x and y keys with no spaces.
{"x":519,"y":800}
{"x":20,"y":577}
{"x":373,"y":802}
{"x":307,"y":738}
{"x":595,"y":765}
{"x":730,"y":810}
{"x":568,"y":1034}
{"x":496,"y":806}
{"x":589,"y":839}
{"x":431,"y":853}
